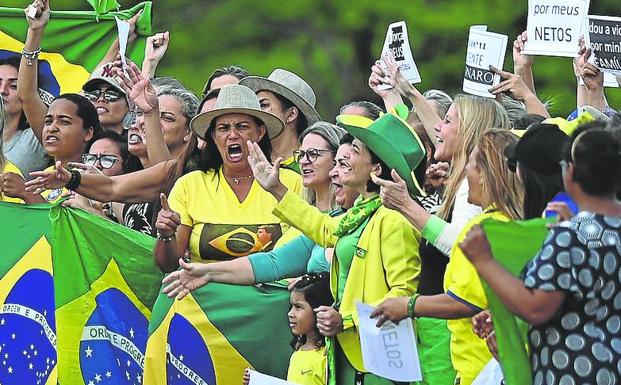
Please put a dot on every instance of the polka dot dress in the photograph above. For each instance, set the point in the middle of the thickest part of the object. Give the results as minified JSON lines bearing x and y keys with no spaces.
{"x":582,"y":343}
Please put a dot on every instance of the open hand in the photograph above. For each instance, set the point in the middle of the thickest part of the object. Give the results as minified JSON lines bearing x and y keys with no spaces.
{"x":137,"y":86}
{"x":265,"y":173}
{"x":181,"y":282}
{"x":48,"y":180}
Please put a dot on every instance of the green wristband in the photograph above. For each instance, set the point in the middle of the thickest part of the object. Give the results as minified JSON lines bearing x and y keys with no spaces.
{"x":412,"y":304}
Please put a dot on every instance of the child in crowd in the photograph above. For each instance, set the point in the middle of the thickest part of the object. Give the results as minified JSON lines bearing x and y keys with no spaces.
{"x":308,"y":364}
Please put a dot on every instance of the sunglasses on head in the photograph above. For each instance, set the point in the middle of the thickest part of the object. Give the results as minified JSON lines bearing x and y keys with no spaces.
{"x":311,"y":154}
{"x":109,"y":95}
{"x":106,"y":161}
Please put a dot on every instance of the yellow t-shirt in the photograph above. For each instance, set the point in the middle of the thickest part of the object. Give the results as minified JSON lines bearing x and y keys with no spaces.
{"x":469,"y":353}
{"x":10,"y":167}
{"x":222,"y":227}
{"x":53,"y":195}
{"x":308,"y":367}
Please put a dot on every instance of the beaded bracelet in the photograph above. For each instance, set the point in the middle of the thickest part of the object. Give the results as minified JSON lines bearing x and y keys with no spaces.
{"x":411,"y":304}
{"x":74,"y":181}
{"x":31,"y":55}
{"x":163,"y":238}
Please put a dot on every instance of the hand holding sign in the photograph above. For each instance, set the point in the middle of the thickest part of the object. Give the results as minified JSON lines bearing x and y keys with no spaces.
{"x":395,"y":78}
{"x":520,"y":58}
{"x":397,"y":45}
{"x":591,"y":76}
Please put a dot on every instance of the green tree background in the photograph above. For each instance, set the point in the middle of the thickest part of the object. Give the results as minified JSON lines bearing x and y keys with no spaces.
{"x":332,"y":44}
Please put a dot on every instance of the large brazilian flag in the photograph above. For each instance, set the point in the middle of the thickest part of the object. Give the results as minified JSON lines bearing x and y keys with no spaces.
{"x":73,"y":44}
{"x":80,"y":304}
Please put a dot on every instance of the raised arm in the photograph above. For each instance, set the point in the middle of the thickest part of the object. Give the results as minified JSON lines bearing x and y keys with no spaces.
{"x":135,"y":187}
{"x":141,"y":92}
{"x":27,"y":80}
{"x":154,"y":52}
{"x":515,"y":86}
{"x":522,"y":63}
{"x":425,"y":113}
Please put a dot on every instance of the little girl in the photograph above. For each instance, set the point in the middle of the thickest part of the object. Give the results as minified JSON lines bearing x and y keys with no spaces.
{"x":308,"y":364}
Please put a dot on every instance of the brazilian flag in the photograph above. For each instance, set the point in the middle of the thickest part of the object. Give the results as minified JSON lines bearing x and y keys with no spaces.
{"x":216,"y":332}
{"x":513,"y":245}
{"x":81,"y":304}
{"x":76,"y":293}
{"x":74,"y":43}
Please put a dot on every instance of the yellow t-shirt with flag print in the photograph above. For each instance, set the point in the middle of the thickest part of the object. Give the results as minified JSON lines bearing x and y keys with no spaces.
{"x":222,"y":227}
{"x":469,"y":353}
{"x":10,"y":168}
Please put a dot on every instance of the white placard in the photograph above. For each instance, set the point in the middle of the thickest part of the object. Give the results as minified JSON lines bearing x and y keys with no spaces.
{"x":554,"y":26}
{"x":397,"y":44}
{"x":490,"y":375}
{"x":604,"y":38}
{"x":484,"y":49}
{"x":123,"y":28}
{"x":389,"y":351}
{"x":257,"y":378}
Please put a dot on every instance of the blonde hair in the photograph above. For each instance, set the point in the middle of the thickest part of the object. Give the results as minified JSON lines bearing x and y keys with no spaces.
{"x":500,"y":187}
{"x":476,"y":115}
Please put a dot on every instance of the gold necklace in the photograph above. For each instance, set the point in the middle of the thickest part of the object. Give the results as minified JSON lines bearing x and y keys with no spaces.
{"x":236,"y":180}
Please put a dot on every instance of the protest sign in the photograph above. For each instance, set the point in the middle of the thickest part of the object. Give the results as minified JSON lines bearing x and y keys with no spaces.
{"x":554,"y":26}
{"x":490,"y":375}
{"x":484,"y":49}
{"x":398,"y":45}
{"x":604,"y":39}
{"x":257,"y":378}
{"x":388,"y":351}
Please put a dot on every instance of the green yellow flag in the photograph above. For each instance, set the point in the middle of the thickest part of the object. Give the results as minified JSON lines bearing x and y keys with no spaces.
{"x":74,"y":42}
{"x":230,"y":328}
{"x":513,"y":245}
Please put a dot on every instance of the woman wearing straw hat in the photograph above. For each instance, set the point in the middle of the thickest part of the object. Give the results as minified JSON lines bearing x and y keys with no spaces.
{"x":289,"y":97}
{"x":376,"y":251}
{"x":215,"y":212}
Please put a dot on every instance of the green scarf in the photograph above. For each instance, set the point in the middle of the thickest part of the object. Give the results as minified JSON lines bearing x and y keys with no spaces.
{"x":354,"y":217}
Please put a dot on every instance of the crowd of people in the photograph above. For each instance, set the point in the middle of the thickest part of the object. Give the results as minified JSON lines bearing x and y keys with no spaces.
{"x":381,"y":204}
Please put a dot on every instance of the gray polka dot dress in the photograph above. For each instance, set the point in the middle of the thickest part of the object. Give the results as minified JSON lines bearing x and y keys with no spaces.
{"x":581,"y":344}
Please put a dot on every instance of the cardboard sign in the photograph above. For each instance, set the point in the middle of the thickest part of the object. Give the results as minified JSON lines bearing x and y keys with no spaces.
{"x":604,"y":39}
{"x":554,"y":26}
{"x":257,"y":378}
{"x":398,"y":45}
{"x":484,"y":49}
{"x":389,"y":351}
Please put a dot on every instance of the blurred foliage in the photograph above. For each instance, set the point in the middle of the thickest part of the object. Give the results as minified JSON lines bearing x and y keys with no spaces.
{"x":332,"y":44}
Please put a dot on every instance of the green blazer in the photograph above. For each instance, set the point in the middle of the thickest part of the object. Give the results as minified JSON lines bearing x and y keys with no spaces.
{"x":386,"y":263}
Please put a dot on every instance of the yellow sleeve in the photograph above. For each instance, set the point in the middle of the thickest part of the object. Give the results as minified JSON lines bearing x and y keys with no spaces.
{"x":464,"y":285}
{"x":308,"y":219}
{"x":400,"y":256}
{"x":178,"y":200}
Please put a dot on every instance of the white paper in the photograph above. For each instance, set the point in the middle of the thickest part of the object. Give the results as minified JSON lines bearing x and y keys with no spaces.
{"x":389,"y":351}
{"x":607,"y":44}
{"x":490,"y":375}
{"x":482,"y":28}
{"x":32,"y":12}
{"x":123,"y":28}
{"x":554,"y":26}
{"x":257,"y":378}
{"x":484,"y":49}
{"x":398,"y":44}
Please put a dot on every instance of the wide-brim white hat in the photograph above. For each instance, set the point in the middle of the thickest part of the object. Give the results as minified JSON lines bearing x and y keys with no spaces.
{"x":237,"y":99}
{"x":290,"y":86}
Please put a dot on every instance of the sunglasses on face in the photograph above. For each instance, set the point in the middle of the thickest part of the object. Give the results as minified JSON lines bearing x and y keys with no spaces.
{"x":106,"y":161}
{"x":311,"y":154}
{"x":109,"y":95}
